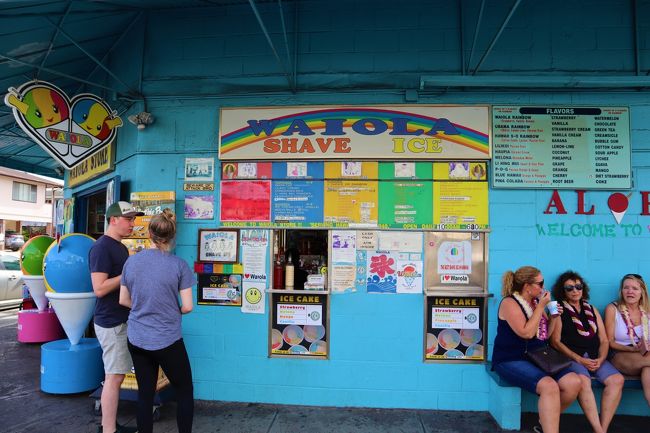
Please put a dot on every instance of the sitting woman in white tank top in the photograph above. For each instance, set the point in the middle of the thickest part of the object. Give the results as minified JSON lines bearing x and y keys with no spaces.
{"x":627,"y":322}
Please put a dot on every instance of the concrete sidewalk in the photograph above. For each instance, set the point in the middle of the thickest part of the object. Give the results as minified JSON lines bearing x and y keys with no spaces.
{"x":24,"y":408}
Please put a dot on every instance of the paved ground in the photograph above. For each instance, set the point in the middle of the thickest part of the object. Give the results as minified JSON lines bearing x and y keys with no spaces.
{"x":24,"y":408}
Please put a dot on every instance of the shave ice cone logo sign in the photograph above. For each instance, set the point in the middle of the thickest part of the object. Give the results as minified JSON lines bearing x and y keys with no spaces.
{"x":618,"y":205}
{"x":69,"y":129}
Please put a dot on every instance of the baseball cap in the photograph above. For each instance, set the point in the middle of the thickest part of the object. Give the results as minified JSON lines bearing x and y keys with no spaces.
{"x":122,"y":209}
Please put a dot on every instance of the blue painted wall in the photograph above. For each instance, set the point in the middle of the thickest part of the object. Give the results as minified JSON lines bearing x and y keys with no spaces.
{"x":370,"y":52}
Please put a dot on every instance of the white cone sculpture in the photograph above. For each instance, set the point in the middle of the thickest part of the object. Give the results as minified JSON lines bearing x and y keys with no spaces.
{"x":69,"y":287}
{"x":36,"y":287}
{"x":74,"y":311}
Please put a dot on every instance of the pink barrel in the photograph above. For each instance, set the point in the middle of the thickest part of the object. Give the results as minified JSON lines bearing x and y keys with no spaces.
{"x":39,"y":326}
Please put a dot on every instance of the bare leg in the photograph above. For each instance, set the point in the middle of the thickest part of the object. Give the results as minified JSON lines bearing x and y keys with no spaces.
{"x":645,"y":382}
{"x":630,"y":363}
{"x":610,"y":399}
{"x":548,"y":404}
{"x":110,"y":398}
{"x":569,"y":388}
{"x":633,"y":364}
{"x":588,"y":403}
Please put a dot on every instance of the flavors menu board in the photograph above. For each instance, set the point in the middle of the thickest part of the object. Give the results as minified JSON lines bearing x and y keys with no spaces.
{"x":561,"y":147}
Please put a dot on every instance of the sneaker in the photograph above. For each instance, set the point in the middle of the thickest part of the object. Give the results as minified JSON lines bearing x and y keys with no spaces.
{"x":120,"y":429}
{"x":126,"y":429}
{"x":538,"y":429}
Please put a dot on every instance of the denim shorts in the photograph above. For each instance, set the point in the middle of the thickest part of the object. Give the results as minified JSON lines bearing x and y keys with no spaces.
{"x":525,"y":374}
{"x":606,"y":369}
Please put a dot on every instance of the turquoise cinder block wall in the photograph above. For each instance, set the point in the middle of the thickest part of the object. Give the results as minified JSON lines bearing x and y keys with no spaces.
{"x":370,"y":53}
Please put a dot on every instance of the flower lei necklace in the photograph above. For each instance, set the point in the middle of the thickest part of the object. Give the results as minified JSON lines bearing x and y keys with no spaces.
{"x":542,"y":329}
{"x":625,"y":313}
{"x":575,"y":318}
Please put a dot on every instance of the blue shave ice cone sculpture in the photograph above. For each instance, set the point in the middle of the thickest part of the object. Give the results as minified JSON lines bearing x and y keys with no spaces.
{"x":75,"y":364}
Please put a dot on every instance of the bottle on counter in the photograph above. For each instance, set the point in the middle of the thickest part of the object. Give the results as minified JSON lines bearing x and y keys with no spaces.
{"x":278,"y":274}
{"x":288,"y":274}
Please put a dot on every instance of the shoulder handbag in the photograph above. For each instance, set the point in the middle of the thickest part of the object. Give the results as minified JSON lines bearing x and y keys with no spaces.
{"x":548,"y":359}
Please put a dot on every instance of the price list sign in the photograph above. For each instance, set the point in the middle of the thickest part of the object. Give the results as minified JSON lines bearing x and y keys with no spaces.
{"x":561,"y":147}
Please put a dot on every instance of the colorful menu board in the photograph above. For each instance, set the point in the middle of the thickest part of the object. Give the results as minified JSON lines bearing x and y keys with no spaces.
{"x":351,"y":203}
{"x":299,"y":325}
{"x":245,"y":200}
{"x":561,"y":147}
{"x":450,"y":195}
{"x":297,"y":203}
{"x":406,"y":205}
{"x":455,"y":328}
{"x":460,"y":205}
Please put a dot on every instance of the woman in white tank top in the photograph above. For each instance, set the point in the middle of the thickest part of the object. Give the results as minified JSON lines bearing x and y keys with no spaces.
{"x":627,"y":322}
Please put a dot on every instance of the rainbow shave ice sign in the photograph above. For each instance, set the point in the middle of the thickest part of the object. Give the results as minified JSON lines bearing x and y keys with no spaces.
{"x":69,"y":129}
{"x":355,"y":132}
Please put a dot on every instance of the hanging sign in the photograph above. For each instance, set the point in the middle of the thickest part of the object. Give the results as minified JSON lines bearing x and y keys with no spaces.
{"x":355,"y":132}
{"x":69,"y":129}
{"x":93,"y":167}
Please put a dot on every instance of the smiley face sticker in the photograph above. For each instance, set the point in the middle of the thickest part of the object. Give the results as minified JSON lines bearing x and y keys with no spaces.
{"x":253,"y":295}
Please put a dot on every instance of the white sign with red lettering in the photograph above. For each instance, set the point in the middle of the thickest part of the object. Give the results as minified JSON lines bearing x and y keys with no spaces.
{"x":455,"y":258}
{"x":454,"y":279}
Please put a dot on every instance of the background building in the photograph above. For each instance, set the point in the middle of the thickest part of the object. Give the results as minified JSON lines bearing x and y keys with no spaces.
{"x":26,"y":203}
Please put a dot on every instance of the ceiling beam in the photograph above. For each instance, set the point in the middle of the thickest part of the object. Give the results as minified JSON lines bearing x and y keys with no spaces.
{"x":536,"y":82}
{"x":497,"y":36}
{"x":270,"y":42}
{"x":56,"y":33}
{"x":90,"y":56}
{"x":54,"y":72}
{"x":292,"y":82}
{"x":479,"y":20}
{"x":115,"y":43}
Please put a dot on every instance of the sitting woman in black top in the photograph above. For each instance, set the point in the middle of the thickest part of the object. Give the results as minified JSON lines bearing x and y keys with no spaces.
{"x":581,"y":336}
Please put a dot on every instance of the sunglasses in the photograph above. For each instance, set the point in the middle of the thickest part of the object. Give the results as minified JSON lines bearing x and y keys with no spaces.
{"x":539,"y":283}
{"x":637,"y":276}
{"x":572,"y":287}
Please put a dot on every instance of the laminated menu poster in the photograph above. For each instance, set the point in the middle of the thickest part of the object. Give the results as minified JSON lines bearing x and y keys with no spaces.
{"x":219,"y":289}
{"x":299,"y":325}
{"x":151,"y":203}
{"x":297,"y":203}
{"x":460,"y":205}
{"x":245,"y":200}
{"x":351,"y":203}
{"x":405,"y":205}
{"x":455,"y":328}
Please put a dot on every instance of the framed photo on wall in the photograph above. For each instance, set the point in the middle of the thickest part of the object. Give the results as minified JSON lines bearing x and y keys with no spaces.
{"x":199,"y":169}
{"x":218,"y":246}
